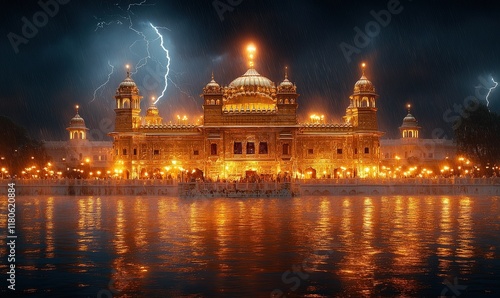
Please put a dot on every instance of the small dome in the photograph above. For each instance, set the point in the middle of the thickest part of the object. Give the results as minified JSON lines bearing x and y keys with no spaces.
{"x":409,"y":121}
{"x":212,"y":83}
{"x":77,"y":122}
{"x":152,"y":110}
{"x":127,"y":86}
{"x":363,"y":85}
{"x":286,"y":83}
{"x":128,"y":82}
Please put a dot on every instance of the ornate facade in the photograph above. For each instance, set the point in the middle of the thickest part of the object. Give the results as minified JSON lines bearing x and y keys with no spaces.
{"x":250,"y":127}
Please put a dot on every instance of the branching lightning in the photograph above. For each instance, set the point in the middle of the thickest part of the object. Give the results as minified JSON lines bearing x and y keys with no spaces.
{"x":104,"y":84}
{"x":168,"y":62}
{"x":120,"y":20}
{"x":489,"y":91}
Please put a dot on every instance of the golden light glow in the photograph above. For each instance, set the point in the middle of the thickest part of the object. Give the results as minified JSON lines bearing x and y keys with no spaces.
{"x":363,"y":65}
{"x":127,"y":66}
{"x":251,"y":50}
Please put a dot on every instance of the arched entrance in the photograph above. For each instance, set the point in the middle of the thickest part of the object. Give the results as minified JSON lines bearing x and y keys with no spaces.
{"x":310,"y":173}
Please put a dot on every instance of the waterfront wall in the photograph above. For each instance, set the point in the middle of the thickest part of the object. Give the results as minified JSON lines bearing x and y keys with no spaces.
{"x":406,"y":186}
{"x":340,"y":187}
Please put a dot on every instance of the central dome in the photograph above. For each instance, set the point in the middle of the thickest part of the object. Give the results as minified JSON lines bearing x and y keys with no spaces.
{"x":250,"y":88}
{"x":251,"y":78}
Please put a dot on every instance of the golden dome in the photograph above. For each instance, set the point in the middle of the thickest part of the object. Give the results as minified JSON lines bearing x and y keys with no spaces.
{"x":286,"y":86}
{"x":364,"y":85}
{"x":152,"y":110}
{"x":128,"y":85}
{"x":250,"y":79}
{"x":212,"y":84}
{"x":251,"y":87}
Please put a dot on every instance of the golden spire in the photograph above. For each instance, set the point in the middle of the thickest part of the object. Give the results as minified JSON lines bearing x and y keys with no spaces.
{"x":212,"y":75}
{"x":152,"y":100}
{"x":408,"y":106}
{"x":363,"y":66}
{"x":286,"y":72}
{"x":128,"y":70}
{"x":251,"y":50}
{"x":76,"y":108}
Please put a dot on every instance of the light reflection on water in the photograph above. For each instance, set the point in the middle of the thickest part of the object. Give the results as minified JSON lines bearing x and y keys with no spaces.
{"x":309,"y":246}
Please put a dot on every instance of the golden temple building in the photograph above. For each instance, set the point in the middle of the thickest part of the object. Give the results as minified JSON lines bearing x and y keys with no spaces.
{"x":250,"y":128}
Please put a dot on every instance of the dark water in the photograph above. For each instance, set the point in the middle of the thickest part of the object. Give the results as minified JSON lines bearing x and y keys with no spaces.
{"x":299,"y":247}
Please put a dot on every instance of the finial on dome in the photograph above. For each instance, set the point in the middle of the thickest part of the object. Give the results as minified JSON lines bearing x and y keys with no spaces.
{"x":152,"y":100}
{"x":251,"y":50}
{"x":363,"y":66}
{"x":128,"y":70}
{"x":212,"y":75}
{"x":286,"y":72}
{"x":408,"y":106}
{"x":76,"y":108}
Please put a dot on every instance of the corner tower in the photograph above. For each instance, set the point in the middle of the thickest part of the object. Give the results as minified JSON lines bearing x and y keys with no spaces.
{"x":409,"y":129}
{"x":77,"y":129}
{"x":128,"y":105}
{"x":362,"y":111}
{"x":286,"y":97}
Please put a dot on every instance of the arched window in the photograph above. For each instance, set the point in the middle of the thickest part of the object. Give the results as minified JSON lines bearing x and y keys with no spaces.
{"x":410,"y":134}
{"x":365,"y":102}
{"x":126,"y":103}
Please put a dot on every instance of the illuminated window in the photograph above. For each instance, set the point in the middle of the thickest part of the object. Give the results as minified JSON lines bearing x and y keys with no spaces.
{"x":238,"y":148}
{"x":286,"y":149}
{"x":339,"y":150}
{"x":263,"y":148}
{"x":250,"y":148}
{"x":367,"y":150}
{"x":213,"y":149}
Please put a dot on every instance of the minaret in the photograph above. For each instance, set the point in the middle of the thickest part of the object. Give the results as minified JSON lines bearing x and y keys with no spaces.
{"x":77,"y":129}
{"x":128,"y":105}
{"x":409,"y":129}
{"x":362,"y":111}
{"x":212,"y":101}
{"x":286,"y":97}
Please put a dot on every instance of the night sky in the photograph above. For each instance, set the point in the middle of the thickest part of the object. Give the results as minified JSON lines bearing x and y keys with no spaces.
{"x":432,"y":54}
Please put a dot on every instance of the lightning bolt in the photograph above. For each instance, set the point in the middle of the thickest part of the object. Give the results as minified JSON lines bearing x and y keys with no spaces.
{"x":104,"y":84}
{"x":143,"y":39}
{"x":168,"y":61}
{"x":489,"y":91}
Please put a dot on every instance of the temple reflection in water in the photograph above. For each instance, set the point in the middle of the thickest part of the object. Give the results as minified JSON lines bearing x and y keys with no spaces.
{"x":249,"y":128}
